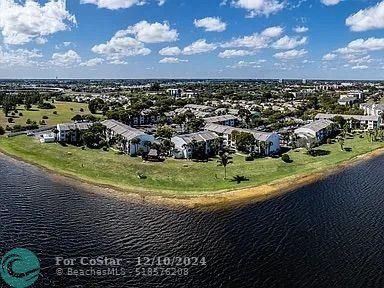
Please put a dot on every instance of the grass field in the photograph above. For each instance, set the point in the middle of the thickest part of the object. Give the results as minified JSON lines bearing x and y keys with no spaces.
{"x":176,"y":177}
{"x":63,"y":109}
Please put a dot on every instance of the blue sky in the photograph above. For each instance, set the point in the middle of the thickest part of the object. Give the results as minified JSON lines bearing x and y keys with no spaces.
{"x":313,"y":39}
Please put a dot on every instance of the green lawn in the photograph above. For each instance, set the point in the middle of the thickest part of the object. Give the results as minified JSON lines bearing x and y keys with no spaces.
{"x":63,"y":109}
{"x":175,"y":176}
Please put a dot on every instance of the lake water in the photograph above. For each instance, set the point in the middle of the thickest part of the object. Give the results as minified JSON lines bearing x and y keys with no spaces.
{"x":329,"y":234}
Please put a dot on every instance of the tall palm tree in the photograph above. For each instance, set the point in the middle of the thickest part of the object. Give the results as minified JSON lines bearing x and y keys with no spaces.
{"x":136,"y":142}
{"x":55,"y":131}
{"x":224,"y":160}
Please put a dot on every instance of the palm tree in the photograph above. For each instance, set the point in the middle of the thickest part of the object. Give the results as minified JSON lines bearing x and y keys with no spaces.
{"x":136,"y":142}
{"x":224,"y":160}
{"x":147,"y":145}
{"x":55,"y":131}
{"x":341,"y":142}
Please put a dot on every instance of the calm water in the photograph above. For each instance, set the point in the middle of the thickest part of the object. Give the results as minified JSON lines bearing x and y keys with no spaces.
{"x":330,"y":234}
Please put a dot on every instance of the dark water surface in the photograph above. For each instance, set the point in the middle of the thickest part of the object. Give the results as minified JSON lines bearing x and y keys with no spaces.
{"x":329,"y":234}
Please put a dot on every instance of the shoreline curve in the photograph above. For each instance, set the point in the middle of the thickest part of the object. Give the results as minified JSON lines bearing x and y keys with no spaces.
{"x":215,"y":199}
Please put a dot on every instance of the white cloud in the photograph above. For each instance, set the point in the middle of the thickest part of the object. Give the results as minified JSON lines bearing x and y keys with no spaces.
{"x":114,"y":4}
{"x":118,"y":62}
{"x":301,"y":29}
{"x":235,"y":53}
{"x":66,"y":59}
{"x":367,"y":19}
{"x":198,"y":47}
{"x":19,"y":57}
{"x":161,"y":2}
{"x":259,"y":7}
{"x":363,"y":46}
{"x":151,"y":32}
{"x":171,"y":60}
{"x":272,"y":32}
{"x":120,"y":47}
{"x":329,"y":57}
{"x":360,"y":60}
{"x":20,"y":24}
{"x":288,"y":43}
{"x":245,"y":64}
{"x":330,"y":2}
{"x":360,"y":67}
{"x":211,"y":24}
{"x":170,"y":51}
{"x":92,"y":62}
{"x":291,"y":54}
{"x":256,"y":41}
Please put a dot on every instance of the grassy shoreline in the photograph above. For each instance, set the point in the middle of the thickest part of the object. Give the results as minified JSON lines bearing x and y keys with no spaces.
{"x":185,"y":182}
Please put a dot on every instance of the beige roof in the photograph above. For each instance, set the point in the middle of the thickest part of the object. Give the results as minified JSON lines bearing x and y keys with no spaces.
{"x":119,"y":128}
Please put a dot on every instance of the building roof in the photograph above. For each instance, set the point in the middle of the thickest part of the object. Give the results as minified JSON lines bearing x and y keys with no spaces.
{"x":317,"y":125}
{"x":221,"y":118}
{"x":201,"y":136}
{"x":198,"y":107}
{"x":119,"y":128}
{"x":73,"y":126}
{"x":347,"y":117}
{"x":221,"y":129}
{"x":347,"y":99}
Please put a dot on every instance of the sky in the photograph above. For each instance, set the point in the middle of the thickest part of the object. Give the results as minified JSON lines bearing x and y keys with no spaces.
{"x":301,"y":39}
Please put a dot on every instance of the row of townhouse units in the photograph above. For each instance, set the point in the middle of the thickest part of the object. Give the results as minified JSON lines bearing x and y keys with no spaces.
{"x":372,"y":109}
{"x":319,"y":130}
{"x":366,"y":121}
{"x":134,"y":140}
{"x":265,"y":143}
{"x":227,"y":120}
{"x":70,"y":132}
{"x":185,"y":145}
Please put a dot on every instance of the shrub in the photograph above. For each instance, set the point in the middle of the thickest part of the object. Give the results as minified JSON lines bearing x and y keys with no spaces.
{"x":286,"y":158}
{"x":141,"y":175}
{"x":10,"y":120}
{"x":42,"y":122}
{"x":81,"y":110}
{"x":2,"y":131}
{"x":238,"y":179}
{"x":249,"y":158}
{"x":21,"y":114}
{"x":54,"y":112}
{"x":46,"y":105}
{"x":45,"y":117}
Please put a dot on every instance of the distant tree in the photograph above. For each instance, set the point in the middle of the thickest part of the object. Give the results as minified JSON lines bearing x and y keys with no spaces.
{"x":167,"y":146}
{"x":165,"y":132}
{"x":94,"y":137}
{"x":155,"y":87}
{"x":243,"y":140}
{"x":195,"y":124}
{"x":77,"y":118}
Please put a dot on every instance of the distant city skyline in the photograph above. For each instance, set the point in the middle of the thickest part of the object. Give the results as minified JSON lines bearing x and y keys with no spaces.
{"x":138,"y":39}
